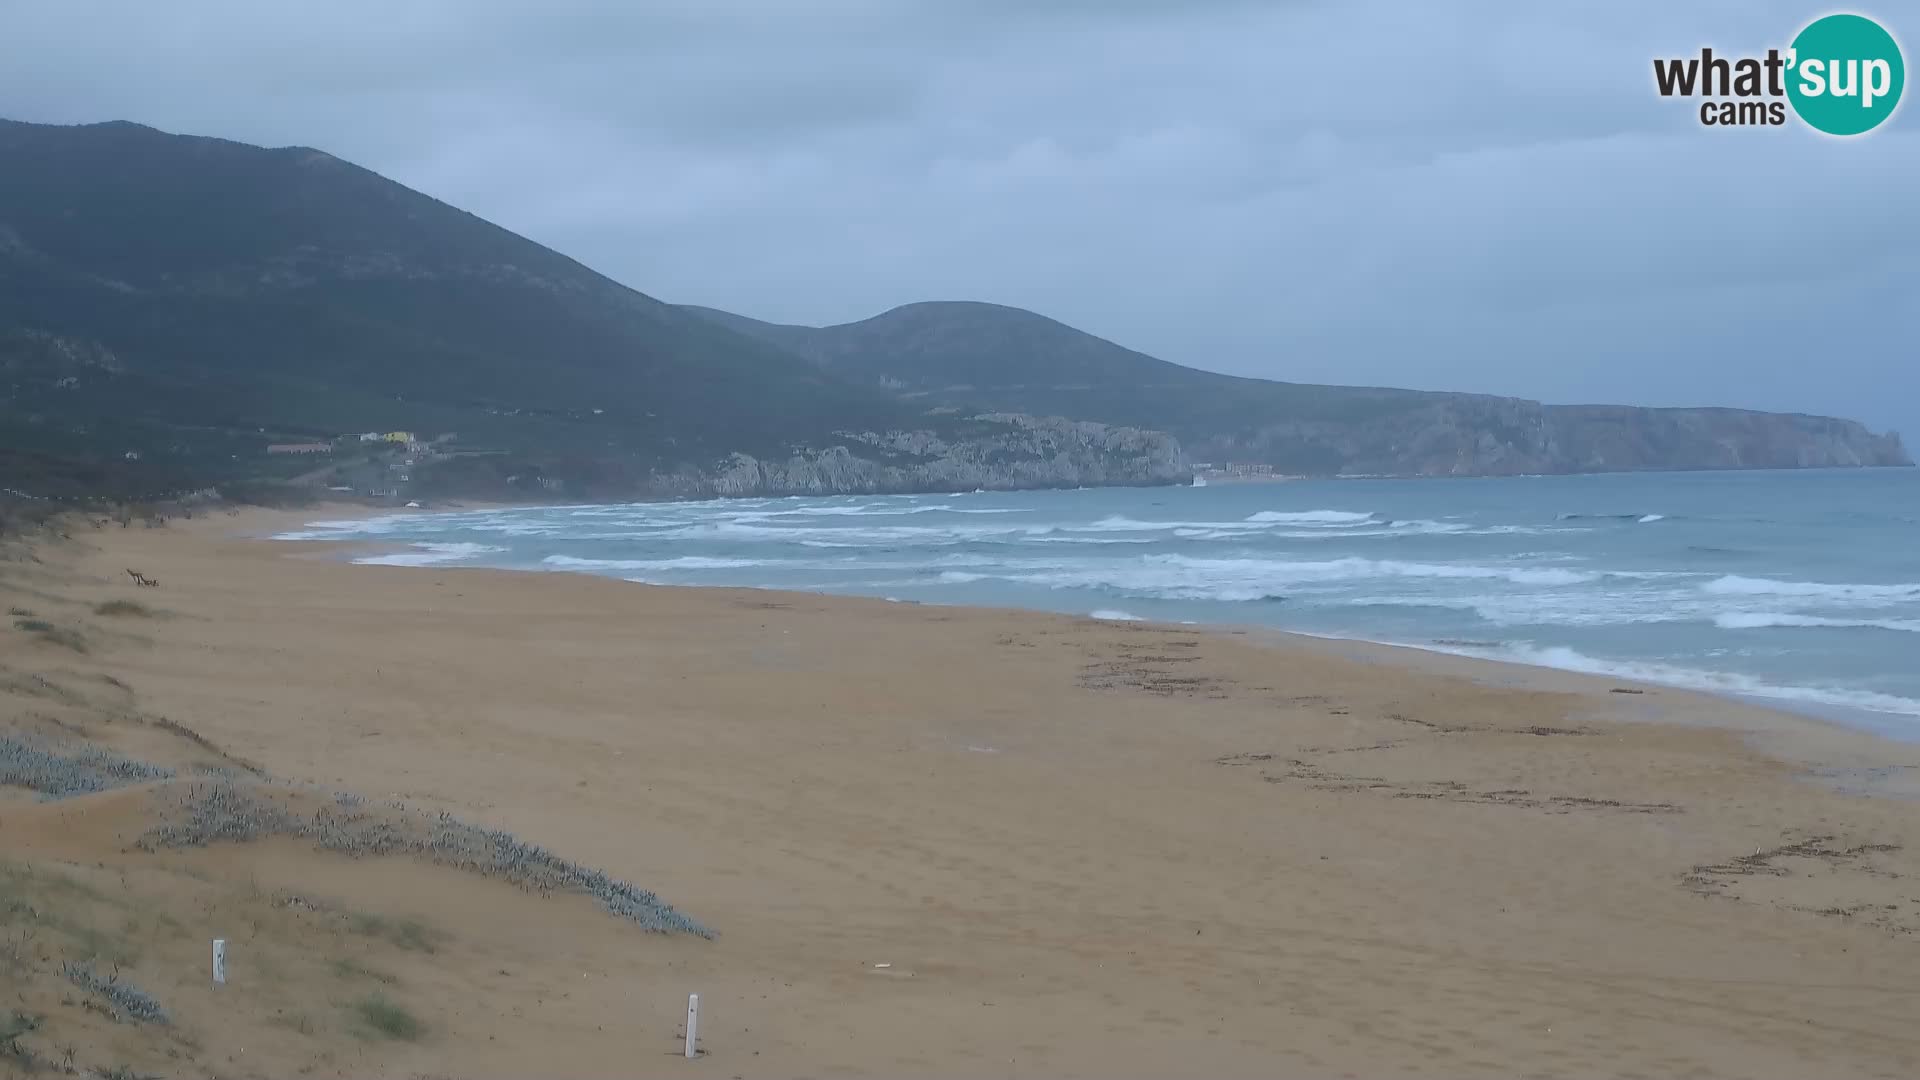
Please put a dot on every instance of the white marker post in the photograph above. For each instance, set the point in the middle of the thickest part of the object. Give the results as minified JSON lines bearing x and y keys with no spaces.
{"x":219,"y":961}
{"x":693,"y":1024}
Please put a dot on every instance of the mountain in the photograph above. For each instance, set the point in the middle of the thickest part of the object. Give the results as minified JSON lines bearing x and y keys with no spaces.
{"x":176,"y":309}
{"x":172,"y":305}
{"x":974,"y":355}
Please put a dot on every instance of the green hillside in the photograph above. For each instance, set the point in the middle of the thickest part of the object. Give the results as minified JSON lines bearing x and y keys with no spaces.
{"x":974,"y":355}
{"x":173,"y":306}
{"x":192,"y":300}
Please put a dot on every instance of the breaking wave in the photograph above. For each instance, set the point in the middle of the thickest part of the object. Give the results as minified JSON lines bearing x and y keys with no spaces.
{"x":684,"y":562}
{"x":1717,"y":682}
{"x":1312,"y":517}
{"x":1735,"y":585}
{"x":1817,"y":613}
{"x":430,"y":555}
{"x":1760,"y":620}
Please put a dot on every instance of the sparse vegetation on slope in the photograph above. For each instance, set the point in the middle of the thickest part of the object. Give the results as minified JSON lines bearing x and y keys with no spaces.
{"x":62,"y":773}
{"x":207,"y":812}
{"x":171,"y":305}
{"x":123,"y":608}
{"x":46,"y":631}
{"x":131,"y":840}
{"x":975,"y":356}
{"x":82,"y":942}
{"x":128,"y":1001}
{"x":384,"y":1017}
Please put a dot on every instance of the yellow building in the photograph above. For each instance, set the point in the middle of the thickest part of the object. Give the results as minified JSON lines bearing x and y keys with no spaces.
{"x":398,"y":436}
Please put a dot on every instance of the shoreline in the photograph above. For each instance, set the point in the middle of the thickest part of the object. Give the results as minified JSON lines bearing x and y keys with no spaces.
{"x":1855,"y":722}
{"x":1773,"y":728}
{"x":932,"y":839}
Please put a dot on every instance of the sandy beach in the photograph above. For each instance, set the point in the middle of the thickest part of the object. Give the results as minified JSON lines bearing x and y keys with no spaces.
{"x":931,"y":841}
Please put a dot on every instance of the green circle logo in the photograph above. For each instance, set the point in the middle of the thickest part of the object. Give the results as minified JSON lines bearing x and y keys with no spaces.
{"x":1845,"y":74}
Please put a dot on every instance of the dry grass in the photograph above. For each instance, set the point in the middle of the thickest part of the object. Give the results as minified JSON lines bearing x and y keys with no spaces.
{"x":387,"y":1018}
{"x":60,"y":773}
{"x":297,"y":1022}
{"x":128,"y":1002}
{"x":409,"y":933}
{"x":124,"y":608}
{"x":53,"y":635}
{"x":96,"y":952}
{"x":348,"y":968}
{"x":222,"y":811}
{"x":125,"y":1072}
{"x":13,"y":1025}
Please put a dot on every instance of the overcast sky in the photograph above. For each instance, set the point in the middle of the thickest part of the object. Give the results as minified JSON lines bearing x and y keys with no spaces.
{"x":1471,"y":196}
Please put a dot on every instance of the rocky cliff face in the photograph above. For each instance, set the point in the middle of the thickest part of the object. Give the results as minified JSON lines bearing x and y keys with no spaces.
{"x":1461,"y":435}
{"x":1592,"y":438}
{"x":1017,"y":452}
{"x":1450,"y":435}
{"x":984,"y":356}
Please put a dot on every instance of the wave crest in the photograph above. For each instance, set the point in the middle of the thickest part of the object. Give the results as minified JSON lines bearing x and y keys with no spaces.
{"x":1735,"y":585}
{"x":1311,"y":517}
{"x":1761,"y":620}
{"x":429,"y":555}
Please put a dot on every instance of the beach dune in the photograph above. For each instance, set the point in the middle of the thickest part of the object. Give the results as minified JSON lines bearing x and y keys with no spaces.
{"x":957,"y":842}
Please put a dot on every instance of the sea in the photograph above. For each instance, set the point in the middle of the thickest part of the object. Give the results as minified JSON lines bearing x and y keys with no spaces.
{"x":1800,"y":589}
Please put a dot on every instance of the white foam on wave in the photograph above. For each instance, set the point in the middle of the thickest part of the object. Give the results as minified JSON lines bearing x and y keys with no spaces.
{"x":1520,"y":530}
{"x":350,"y":527}
{"x":1616,"y":607}
{"x":1311,"y":517}
{"x":1761,"y":620}
{"x":1113,"y":615}
{"x":1269,"y":530}
{"x":1182,"y":577}
{"x":684,"y":562}
{"x":1186,"y":533}
{"x":847,"y":536}
{"x":1356,"y":567}
{"x":1651,"y":518}
{"x":855,"y":510}
{"x":1716,"y":682}
{"x":1585,"y":608}
{"x":350,"y":524}
{"x":1735,"y":585}
{"x":429,"y":555}
{"x":1122,"y":523}
{"x":821,"y":527}
{"x":554,"y":530}
{"x":870,"y":509}
{"x":1259,"y":523}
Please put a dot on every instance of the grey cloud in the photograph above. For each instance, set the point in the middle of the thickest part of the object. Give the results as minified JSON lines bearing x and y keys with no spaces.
{"x":1479,"y":196}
